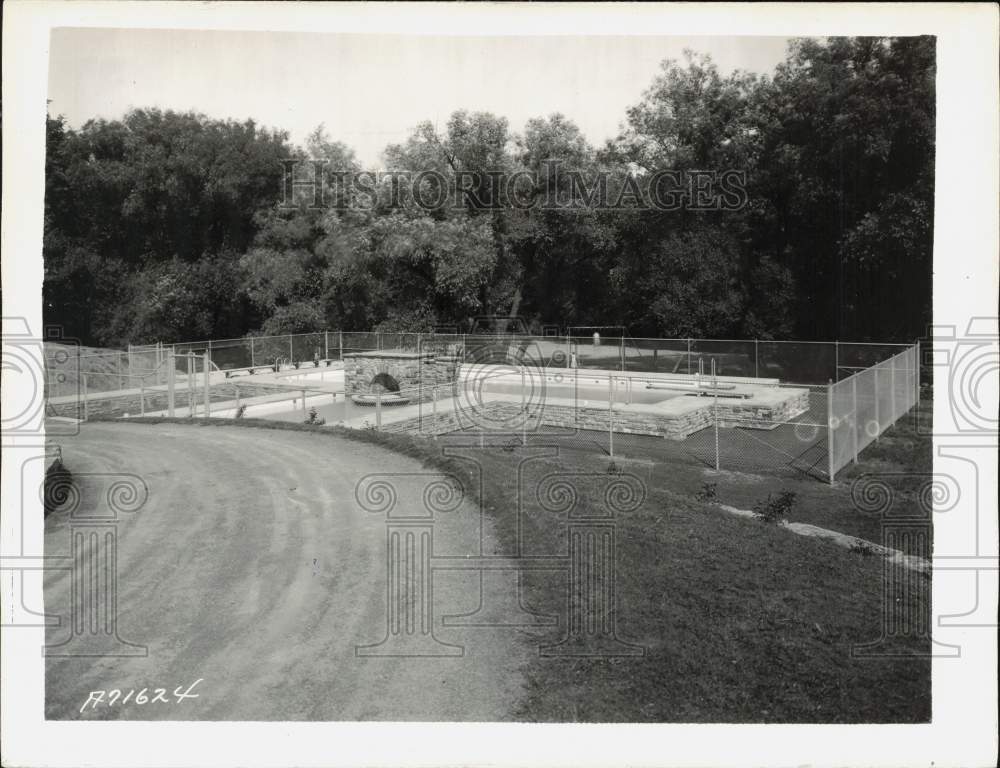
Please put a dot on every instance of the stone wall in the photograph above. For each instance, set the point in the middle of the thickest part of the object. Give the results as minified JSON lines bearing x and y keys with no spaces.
{"x":677,"y":426}
{"x":416,"y":373}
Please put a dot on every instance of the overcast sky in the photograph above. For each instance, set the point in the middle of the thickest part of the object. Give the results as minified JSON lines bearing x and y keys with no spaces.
{"x":371,"y":90}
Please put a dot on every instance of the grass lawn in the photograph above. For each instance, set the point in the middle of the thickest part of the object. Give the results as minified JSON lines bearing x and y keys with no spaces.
{"x":742,"y":621}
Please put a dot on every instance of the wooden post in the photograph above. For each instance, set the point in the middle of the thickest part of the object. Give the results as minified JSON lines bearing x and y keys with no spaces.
{"x":291,"y":350}
{"x":236,"y":389}
{"x":829,"y":430}
{"x":689,"y":356}
{"x":208,"y":407}
{"x":623,"y":353}
{"x":756,"y":361}
{"x":326,"y":345}
{"x":192,"y":406}
{"x":836,"y":361}
{"x":86,"y":405}
{"x":303,"y":401}
{"x":341,"y":334}
{"x":171,"y":379}
{"x":253,"y":359}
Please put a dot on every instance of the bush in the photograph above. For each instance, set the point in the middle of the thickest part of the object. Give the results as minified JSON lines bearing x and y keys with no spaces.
{"x":707,"y":492}
{"x":314,"y":418}
{"x":774,"y":508}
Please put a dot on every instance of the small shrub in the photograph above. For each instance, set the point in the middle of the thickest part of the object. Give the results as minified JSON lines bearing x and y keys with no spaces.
{"x":707,"y":492}
{"x":774,"y":508}
{"x":314,"y":418}
{"x":241,"y":411}
{"x":862,"y":548}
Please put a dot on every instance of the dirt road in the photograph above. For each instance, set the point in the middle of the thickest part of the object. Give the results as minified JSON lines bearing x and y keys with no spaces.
{"x":252,"y":568}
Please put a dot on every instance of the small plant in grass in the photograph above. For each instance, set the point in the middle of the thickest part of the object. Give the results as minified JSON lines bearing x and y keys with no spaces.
{"x":707,"y":493}
{"x":241,"y":411}
{"x":774,"y":508}
{"x":862,"y":548}
{"x":314,"y":418}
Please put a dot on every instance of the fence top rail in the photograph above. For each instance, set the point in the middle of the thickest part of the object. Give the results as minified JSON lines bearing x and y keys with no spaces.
{"x":253,"y":338}
{"x":860,"y":371}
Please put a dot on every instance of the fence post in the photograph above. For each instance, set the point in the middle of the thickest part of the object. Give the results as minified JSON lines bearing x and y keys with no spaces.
{"x":208,"y":397}
{"x":611,"y":416}
{"x":836,"y":360}
{"x":209,"y":351}
{"x":236,"y":389}
{"x":623,"y":353}
{"x":303,"y":401}
{"x":689,"y":356}
{"x":86,"y":405}
{"x":341,"y":333}
{"x":892,"y":388}
{"x":829,"y":430}
{"x":524,"y":409}
{"x":171,"y":378}
{"x":253,"y":359}
{"x":878,"y":423}
{"x":291,"y":350}
{"x":378,"y":408}
{"x":756,"y":363}
{"x":715,"y":413}
{"x":326,"y":345}
{"x":131,"y":364}
{"x":192,"y":405}
{"x":854,"y":416}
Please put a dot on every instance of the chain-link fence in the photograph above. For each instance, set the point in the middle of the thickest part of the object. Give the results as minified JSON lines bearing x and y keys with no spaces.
{"x":868,"y":402}
{"x":733,"y":405}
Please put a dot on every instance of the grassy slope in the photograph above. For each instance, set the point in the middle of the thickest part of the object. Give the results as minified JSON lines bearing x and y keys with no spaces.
{"x":742,"y":622}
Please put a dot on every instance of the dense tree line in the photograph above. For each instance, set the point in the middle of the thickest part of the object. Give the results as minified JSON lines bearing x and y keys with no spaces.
{"x":174,"y":226}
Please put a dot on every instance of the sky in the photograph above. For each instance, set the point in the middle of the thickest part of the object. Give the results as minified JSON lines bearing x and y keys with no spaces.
{"x":372,"y":90}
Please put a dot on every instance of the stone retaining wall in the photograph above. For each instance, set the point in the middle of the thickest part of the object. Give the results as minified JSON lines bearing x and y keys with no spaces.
{"x":669,"y":426}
